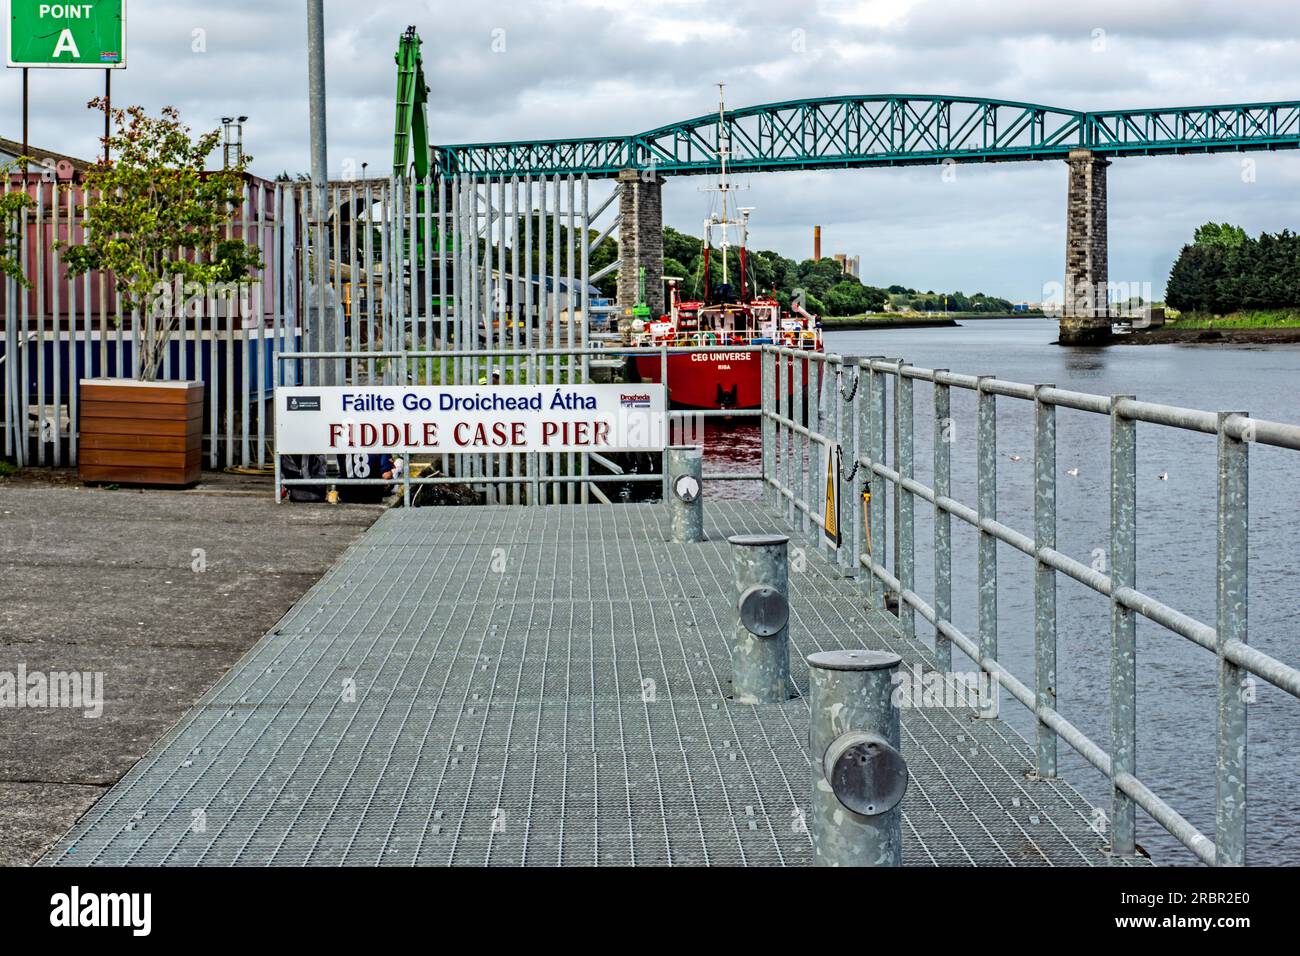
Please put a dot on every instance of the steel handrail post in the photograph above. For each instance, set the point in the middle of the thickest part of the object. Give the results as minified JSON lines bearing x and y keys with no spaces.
{"x":853,"y":547}
{"x":986,"y":451}
{"x":906,"y":527}
{"x":816,"y":452}
{"x":943,"y":437}
{"x":805,"y":449}
{"x":879,"y":498}
{"x":1231,"y":625}
{"x":834,"y":392}
{"x":1123,"y":634}
{"x":532,"y":463}
{"x":770,"y":426}
{"x":897,"y":491}
{"x":1045,"y":576}
{"x":792,"y":438}
{"x":780,"y":380}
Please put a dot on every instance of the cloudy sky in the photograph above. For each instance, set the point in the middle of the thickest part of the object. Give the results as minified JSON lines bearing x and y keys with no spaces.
{"x":547,"y":68}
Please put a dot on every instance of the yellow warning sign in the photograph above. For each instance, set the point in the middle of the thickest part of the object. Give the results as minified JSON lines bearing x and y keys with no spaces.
{"x":831,"y":499}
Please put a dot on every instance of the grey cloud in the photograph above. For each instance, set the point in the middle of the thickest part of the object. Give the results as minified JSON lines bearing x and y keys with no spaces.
{"x":585,"y":68}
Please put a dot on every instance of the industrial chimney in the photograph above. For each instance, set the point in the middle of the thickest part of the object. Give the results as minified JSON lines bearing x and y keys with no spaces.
{"x":817,"y":243}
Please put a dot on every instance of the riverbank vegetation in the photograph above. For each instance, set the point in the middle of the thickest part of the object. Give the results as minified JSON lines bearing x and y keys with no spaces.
{"x":902,"y":320}
{"x":883,"y":320}
{"x":820,"y":285}
{"x":826,"y":289}
{"x":1226,"y":279}
{"x":1257,"y":319}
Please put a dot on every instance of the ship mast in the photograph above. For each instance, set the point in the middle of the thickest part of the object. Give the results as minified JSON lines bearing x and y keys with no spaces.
{"x":722,"y":215}
{"x":724,"y":147}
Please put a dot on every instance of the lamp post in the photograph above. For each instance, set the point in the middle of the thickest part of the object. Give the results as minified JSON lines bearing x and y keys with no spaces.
{"x":319,"y":174}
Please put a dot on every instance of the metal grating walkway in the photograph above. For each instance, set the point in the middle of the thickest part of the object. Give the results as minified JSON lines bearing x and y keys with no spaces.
{"x":466,"y":687}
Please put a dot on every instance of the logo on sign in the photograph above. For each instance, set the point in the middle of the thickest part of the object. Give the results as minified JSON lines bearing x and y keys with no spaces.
{"x":304,"y":403}
{"x":641,"y":400}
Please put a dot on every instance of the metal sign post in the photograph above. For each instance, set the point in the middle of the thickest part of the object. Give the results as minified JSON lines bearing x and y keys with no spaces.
{"x":108,"y":111}
{"x":68,"y":36}
{"x":25,"y":115}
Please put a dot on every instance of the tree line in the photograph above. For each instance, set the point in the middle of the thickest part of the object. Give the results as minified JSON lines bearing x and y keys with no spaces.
{"x":825,"y":287}
{"x":1224,"y":270}
{"x":821,"y":285}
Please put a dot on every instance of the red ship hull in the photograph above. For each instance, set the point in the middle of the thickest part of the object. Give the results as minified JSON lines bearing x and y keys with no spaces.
{"x":718,"y":380}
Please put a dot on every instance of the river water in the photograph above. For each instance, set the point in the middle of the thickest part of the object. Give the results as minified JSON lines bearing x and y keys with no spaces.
{"x":1176,"y":557}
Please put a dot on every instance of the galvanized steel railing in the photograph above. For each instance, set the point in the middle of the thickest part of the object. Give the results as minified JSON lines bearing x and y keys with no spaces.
{"x":853,"y":415}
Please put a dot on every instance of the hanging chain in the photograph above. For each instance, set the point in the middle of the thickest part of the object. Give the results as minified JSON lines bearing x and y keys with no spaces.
{"x":853,"y":390}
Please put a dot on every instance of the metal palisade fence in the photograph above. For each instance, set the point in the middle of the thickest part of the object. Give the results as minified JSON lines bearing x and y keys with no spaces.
{"x":61,"y":329}
{"x":384,"y":270}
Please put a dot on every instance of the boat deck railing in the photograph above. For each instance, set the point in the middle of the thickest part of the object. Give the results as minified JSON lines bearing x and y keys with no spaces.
{"x":807,"y":339}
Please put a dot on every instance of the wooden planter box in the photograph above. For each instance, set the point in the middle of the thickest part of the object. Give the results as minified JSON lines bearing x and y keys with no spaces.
{"x":144,"y":433}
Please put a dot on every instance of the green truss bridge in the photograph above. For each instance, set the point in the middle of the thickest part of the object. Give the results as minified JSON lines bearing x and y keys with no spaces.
{"x":848,"y":132}
{"x":887,"y":130}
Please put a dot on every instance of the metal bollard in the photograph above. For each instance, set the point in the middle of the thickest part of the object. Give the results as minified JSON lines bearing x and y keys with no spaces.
{"x":760,"y":647}
{"x":858,"y":775}
{"x":685,"y":467}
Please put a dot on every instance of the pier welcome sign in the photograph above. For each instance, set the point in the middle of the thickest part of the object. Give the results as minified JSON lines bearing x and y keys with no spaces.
{"x":454,"y":419}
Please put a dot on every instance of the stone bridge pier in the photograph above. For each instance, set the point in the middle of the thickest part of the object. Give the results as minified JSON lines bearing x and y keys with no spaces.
{"x":1085,"y":316}
{"x":641,"y":239}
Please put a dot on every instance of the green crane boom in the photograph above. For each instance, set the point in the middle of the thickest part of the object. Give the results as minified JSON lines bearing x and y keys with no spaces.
{"x":412,"y":125}
{"x":411,"y":136}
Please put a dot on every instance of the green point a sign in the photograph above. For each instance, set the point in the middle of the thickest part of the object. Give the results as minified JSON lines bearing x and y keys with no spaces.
{"x":79,"y":34}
